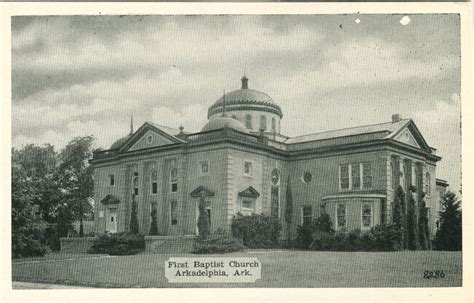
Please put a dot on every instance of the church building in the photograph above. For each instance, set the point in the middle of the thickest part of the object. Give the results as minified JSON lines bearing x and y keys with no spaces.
{"x":240,"y":162}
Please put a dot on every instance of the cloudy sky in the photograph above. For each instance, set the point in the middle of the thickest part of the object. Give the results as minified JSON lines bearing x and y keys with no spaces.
{"x":84,"y":75}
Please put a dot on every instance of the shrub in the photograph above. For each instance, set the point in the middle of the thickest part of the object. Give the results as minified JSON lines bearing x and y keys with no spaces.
{"x":218,"y":242}
{"x":304,"y":236}
{"x":257,"y":231}
{"x":449,"y":235}
{"x":118,"y":244}
{"x":154,"y":223}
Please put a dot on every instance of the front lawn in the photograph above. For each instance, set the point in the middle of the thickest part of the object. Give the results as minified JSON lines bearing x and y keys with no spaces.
{"x":279,"y":269}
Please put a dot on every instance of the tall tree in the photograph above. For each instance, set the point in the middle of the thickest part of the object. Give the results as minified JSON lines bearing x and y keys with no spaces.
{"x":399,"y":216}
{"x":449,"y":235}
{"x":289,"y":211}
{"x":134,"y":228}
{"x":203,"y":219}
{"x":76,"y":177}
{"x":412,"y":226}
{"x":423,"y":225}
{"x":154,"y":223}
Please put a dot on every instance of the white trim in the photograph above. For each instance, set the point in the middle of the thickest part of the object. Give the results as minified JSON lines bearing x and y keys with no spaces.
{"x":354,"y":196}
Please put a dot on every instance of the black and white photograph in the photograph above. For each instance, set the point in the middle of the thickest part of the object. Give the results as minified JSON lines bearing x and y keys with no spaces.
{"x":235,"y":150}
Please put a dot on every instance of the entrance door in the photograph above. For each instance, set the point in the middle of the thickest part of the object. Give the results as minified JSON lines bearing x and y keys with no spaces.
{"x":112,"y":221}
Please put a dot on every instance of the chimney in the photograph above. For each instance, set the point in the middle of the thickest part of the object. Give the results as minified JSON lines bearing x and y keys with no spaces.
{"x":396,"y":118}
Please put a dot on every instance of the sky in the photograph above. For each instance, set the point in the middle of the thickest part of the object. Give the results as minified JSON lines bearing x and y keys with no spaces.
{"x":86,"y":75}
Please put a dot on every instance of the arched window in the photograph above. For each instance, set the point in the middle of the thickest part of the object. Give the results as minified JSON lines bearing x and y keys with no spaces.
{"x":275,"y":194}
{"x":274,"y":124}
{"x":248,"y":121}
{"x":174,"y":180}
{"x":428,"y":184}
{"x":154,"y":182}
{"x":263,"y":122}
{"x":135,"y":185}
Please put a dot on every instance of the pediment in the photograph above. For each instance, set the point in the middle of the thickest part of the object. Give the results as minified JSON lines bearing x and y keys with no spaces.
{"x":149,"y":135}
{"x":410,"y":135}
{"x":110,"y":199}
{"x":249,"y":192}
{"x":202,"y":191}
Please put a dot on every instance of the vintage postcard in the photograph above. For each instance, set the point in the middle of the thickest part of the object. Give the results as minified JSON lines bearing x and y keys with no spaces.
{"x":267,"y":146}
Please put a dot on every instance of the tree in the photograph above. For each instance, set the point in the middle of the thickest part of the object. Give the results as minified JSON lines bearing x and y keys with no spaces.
{"x":76,"y":177}
{"x":399,"y":217}
{"x":423,"y":225}
{"x":449,"y":235}
{"x":203,"y":219}
{"x":134,"y":228}
{"x":289,"y":211}
{"x":27,"y":228}
{"x":154,"y":223}
{"x":412,"y":226}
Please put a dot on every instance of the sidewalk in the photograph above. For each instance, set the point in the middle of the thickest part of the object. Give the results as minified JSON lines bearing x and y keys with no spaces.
{"x":28,"y":285}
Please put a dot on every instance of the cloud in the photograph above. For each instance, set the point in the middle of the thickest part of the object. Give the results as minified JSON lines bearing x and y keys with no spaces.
{"x":191,"y":117}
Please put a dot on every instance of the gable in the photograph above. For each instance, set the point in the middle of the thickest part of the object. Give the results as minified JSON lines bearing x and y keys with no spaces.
{"x":406,"y":137}
{"x":150,"y":139}
{"x":249,"y":192}
{"x":149,"y":135}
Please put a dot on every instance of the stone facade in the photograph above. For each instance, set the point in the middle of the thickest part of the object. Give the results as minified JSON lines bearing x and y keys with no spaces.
{"x":350,"y":174}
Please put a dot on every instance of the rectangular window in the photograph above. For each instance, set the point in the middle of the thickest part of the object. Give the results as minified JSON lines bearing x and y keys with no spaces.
{"x":204,"y":167}
{"x":367,"y":175}
{"x":366,"y":215}
{"x":306,"y":215}
{"x":340,"y":215}
{"x":344,"y":176}
{"x":154,"y":188}
{"x":274,"y":125}
{"x":174,"y":212}
{"x":322,"y":209}
{"x":112,"y":180}
{"x":174,"y":187}
{"x":247,"y":204}
{"x":355,"y":173}
{"x":248,"y":167}
{"x":263,"y":123}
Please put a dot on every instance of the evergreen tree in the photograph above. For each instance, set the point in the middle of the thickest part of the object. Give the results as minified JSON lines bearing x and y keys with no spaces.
{"x":449,"y":235}
{"x":289,"y":211}
{"x":399,"y":217}
{"x":134,"y":229}
{"x":412,"y":232}
{"x":203,"y":220}
{"x":423,"y":225}
{"x":154,"y":223}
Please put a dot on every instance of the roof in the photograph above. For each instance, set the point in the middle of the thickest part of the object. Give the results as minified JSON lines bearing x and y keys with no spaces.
{"x":224,"y":121}
{"x":391,"y":128}
{"x":166,"y":129}
{"x":118,"y":143}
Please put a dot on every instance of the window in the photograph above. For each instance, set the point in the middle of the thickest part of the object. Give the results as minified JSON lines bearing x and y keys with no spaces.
{"x":322,"y":209}
{"x":307,"y":177}
{"x":174,"y":212}
{"x":112,"y":180}
{"x":135,"y":185}
{"x":275,"y":177}
{"x":204,"y":166}
{"x":306,"y":215}
{"x":248,"y":168}
{"x":274,"y":124}
{"x":367,"y":175}
{"x":248,"y":121}
{"x":340,"y":215}
{"x":392,"y":172}
{"x":275,"y":202}
{"x":344,"y":177}
{"x":428,"y":185}
{"x":263,"y":122}
{"x":234,"y":117}
{"x":366,"y":215}
{"x":149,"y":139}
{"x":154,"y":182}
{"x":355,"y":173}
{"x":248,"y":204}
{"x":174,"y":180}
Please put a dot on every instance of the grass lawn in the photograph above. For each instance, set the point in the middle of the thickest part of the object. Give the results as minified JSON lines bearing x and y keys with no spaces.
{"x":279,"y":269}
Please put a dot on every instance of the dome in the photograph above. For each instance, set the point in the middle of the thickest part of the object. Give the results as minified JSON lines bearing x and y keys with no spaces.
{"x":243,"y":99}
{"x":224,"y":121}
{"x":117,"y":144}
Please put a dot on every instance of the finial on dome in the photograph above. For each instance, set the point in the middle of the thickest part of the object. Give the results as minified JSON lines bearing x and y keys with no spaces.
{"x":245,"y":82}
{"x":131,"y":124}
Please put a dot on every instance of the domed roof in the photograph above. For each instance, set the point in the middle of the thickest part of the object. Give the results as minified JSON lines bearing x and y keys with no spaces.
{"x":224,"y":121}
{"x":245,"y":97}
{"x":118,"y":144}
